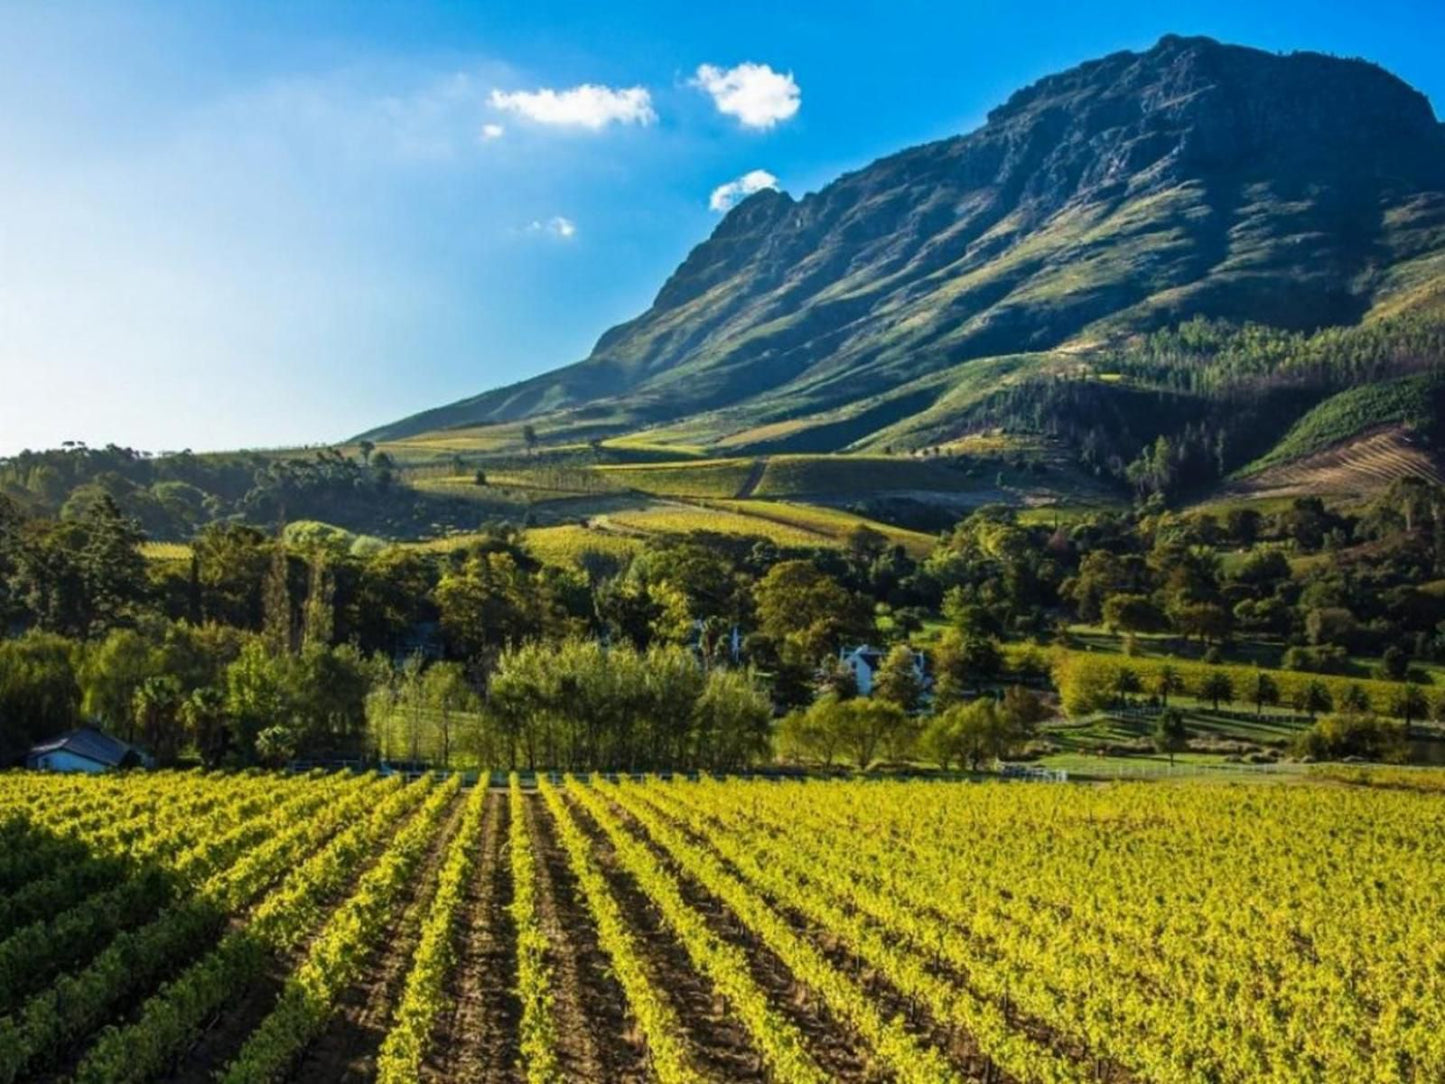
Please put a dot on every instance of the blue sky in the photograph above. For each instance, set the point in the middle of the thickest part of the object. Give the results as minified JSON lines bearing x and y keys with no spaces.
{"x":262,"y":223}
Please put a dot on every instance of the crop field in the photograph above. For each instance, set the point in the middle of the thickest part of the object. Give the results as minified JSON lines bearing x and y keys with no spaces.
{"x":684,"y":519}
{"x":569,"y":543}
{"x":720,"y":478}
{"x":253,"y":928}
{"x":1365,"y":464}
{"x":834,"y":523}
{"x":795,"y":475}
{"x":162,"y":552}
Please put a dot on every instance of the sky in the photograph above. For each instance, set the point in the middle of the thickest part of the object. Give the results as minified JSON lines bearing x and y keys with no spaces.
{"x":273,"y":223}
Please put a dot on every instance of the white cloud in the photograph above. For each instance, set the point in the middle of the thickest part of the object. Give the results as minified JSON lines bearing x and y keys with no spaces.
{"x":493,"y":131}
{"x":724,"y":196}
{"x":556,"y":226}
{"x":587,"y":106}
{"x":758,"y":96}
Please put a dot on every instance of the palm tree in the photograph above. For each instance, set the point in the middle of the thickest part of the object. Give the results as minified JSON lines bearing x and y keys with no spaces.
{"x":1167,"y":681}
{"x":1216,"y":687}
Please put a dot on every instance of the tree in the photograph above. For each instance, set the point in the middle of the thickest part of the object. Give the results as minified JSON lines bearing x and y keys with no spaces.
{"x":278,"y":623}
{"x":1170,"y":734}
{"x":1317,"y":699}
{"x":1126,"y":684}
{"x":1354,"y":700}
{"x":256,"y":694}
{"x":1394,"y":664}
{"x":1167,"y":682}
{"x":867,"y":725}
{"x":969,"y":733}
{"x":39,"y":694}
{"x":1407,"y":704}
{"x":489,"y":602}
{"x":1207,"y":620}
{"x":110,"y":673}
{"x":157,"y":712}
{"x":203,"y":716}
{"x":1133,"y":613}
{"x":448,"y":694}
{"x":809,"y":734}
{"x":529,"y":435}
{"x":732,"y":721}
{"x":897,"y":680}
{"x":806,"y":612}
{"x":1349,"y":734}
{"x":319,"y":614}
{"x":1085,"y":684}
{"x":1022,"y":710}
{"x":1265,"y":694}
{"x":865,"y":544}
{"x":837,"y":680}
{"x":1217,"y":686}
{"x":950,"y":670}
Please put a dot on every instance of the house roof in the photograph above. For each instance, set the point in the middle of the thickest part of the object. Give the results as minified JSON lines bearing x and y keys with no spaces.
{"x":89,"y":743}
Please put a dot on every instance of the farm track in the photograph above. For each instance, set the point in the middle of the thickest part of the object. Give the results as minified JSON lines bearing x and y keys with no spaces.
{"x":595,"y":1038}
{"x":721,"y":1043}
{"x":753,"y":480}
{"x":834,"y":1046}
{"x":478,"y":1041}
{"x":346,"y":1050}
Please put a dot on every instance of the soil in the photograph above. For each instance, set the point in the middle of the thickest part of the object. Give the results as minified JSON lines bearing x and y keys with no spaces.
{"x":722,"y":1044}
{"x":478,"y":1040}
{"x":596,"y":1039}
{"x":839,"y":1052}
{"x":346,"y":1050}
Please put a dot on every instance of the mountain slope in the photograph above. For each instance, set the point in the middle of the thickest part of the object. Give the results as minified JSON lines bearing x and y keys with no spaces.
{"x":1131,"y":192}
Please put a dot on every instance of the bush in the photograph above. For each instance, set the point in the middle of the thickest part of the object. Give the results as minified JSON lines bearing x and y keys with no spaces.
{"x":1349,"y":734}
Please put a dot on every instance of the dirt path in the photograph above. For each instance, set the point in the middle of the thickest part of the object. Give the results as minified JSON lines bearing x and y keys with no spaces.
{"x":753,"y":480}
{"x":595,"y":1037}
{"x":346,"y":1050}
{"x":724,"y":1048}
{"x":838,"y":1051}
{"x":478,"y":1041}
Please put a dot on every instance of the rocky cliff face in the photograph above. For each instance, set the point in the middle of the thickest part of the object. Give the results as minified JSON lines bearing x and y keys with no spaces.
{"x":1129,"y":192}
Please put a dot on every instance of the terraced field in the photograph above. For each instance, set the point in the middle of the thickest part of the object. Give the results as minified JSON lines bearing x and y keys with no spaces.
{"x":249,"y":928}
{"x":1354,"y":468}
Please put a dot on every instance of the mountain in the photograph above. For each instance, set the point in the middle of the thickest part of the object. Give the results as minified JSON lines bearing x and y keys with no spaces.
{"x":1125,"y":195}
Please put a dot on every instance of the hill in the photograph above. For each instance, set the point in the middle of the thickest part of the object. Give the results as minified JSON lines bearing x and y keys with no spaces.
{"x":904,"y":304}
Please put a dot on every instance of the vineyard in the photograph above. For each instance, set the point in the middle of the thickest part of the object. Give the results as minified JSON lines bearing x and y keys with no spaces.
{"x":250,"y":928}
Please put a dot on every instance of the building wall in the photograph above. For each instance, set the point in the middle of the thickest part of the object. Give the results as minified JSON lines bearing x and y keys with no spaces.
{"x":63,"y":761}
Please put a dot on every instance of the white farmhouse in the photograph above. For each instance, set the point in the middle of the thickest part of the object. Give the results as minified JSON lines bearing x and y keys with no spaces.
{"x":864,"y":662}
{"x":85,"y":750}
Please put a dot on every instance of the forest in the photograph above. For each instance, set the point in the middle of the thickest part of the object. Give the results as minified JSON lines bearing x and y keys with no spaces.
{"x":720,"y":651}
